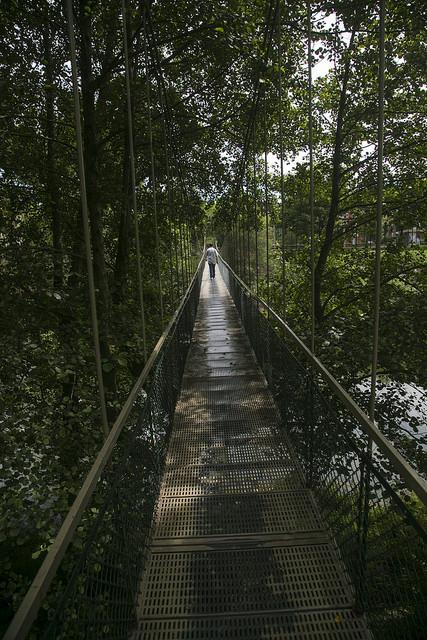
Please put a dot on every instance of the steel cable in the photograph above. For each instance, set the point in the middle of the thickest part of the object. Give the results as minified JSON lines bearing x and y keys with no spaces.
{"x":133,"y":177}
{"x":311,"y":163}
{"x":379,"y":208}
{"x":282,"y":181}
{"x":266,"y":203}
{"x":85,"y":218}
{"x":153,"y":173}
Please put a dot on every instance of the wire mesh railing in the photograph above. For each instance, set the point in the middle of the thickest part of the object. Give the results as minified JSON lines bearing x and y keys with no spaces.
{"x":88,"y":585}
{"x":373,"y":502}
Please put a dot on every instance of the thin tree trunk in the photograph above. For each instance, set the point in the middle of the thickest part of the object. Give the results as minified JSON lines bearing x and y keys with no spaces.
{"x":326,"y":246}
{"x":121,"y":267}
{"x":68,"y":448}
{"x":91,"y":147}
{"x":52,"y":188}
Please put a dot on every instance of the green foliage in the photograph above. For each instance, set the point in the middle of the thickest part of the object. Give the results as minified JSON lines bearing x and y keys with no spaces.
{"x":211,"y":53}
{"x":345,"y":197}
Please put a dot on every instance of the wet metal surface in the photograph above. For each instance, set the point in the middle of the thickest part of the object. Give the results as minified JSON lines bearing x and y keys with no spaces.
{"x":238,"y":547}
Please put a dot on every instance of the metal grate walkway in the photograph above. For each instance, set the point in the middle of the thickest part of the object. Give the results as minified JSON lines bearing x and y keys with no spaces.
{"x":238,"y":548}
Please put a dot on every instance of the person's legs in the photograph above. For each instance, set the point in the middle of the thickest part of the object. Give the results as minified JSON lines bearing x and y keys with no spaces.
{"x":211,"y":270}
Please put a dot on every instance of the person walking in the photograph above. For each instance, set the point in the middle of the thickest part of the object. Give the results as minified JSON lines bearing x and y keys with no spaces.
{"x":212,"y":258}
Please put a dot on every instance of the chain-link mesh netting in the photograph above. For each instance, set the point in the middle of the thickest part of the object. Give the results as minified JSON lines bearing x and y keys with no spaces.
{"x":95,"y":591}
{"x":378,"y":523}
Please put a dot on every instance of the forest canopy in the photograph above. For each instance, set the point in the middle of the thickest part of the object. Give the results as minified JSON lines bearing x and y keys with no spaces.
{"x":219,"y":92}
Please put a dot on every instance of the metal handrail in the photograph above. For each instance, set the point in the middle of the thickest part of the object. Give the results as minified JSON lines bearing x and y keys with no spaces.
{"x":401,"y":466}
{"x":28,"y":610}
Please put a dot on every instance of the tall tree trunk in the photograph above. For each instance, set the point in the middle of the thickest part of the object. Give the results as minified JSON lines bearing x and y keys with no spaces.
{"x":121,"y":266}
{"x":91,"y":148}
{"x":52,"y":188}
{"x":326,"y":246}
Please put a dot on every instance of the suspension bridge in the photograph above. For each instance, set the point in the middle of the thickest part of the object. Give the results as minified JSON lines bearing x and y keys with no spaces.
{"x":272,"y":518}
{"x":241,"y":492}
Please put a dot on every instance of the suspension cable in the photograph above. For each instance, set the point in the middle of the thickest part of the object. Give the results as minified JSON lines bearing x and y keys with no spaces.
{"x":239,"y":231}
{"x":187,"y":248}
{"x":242,"y":201}
{"x":239,"y":227}
{"x":133,"y":177}
{"x":235,"y":252}
{"x":311,"y":191}
{"x":282,"y":180}
{"x":270,"y":25}
{"x":187,"y":252}
{"x":184,"y":252}
{"x":169,"y":195}
{"x":167,"y":108}
{"x":167,"y":131}
{"x":236,"y":233}
{"x":181,"y":252}
{"x":236,"y":245}
{"x":236,"y":227}
{"x":379,"y":209}
{"x":267,"y":244}
{"x":85,"y":217}
{"x":256,"y":96}
{"x":248,"y":227}
{"x":256,"y":219}
{"x":153,"y":173}
{"x":179,"y":284}
{"x":168,"y":120}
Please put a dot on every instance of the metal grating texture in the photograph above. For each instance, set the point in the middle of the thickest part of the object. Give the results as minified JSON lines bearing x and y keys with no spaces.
{"x":238,"y":396}
{"x":220,"y":388}
{"x":218,"y":372}
{"x":239,"y":381}
{"x":201,"y":343}
{"x":232,"y":581}
{"x":214,"y":431}
{"x":220,"y":349}
{"x":221,"y":412}
{"x":198,"y":356}
{"x":236,"y":514}
{"x":207,"y":480}
{"x":335,"y":624}
{"x":228,"y":452}
{"x":235,"y":531}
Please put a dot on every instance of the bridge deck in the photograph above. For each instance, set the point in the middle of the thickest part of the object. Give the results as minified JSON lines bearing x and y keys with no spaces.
{"x":238,"y":547}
